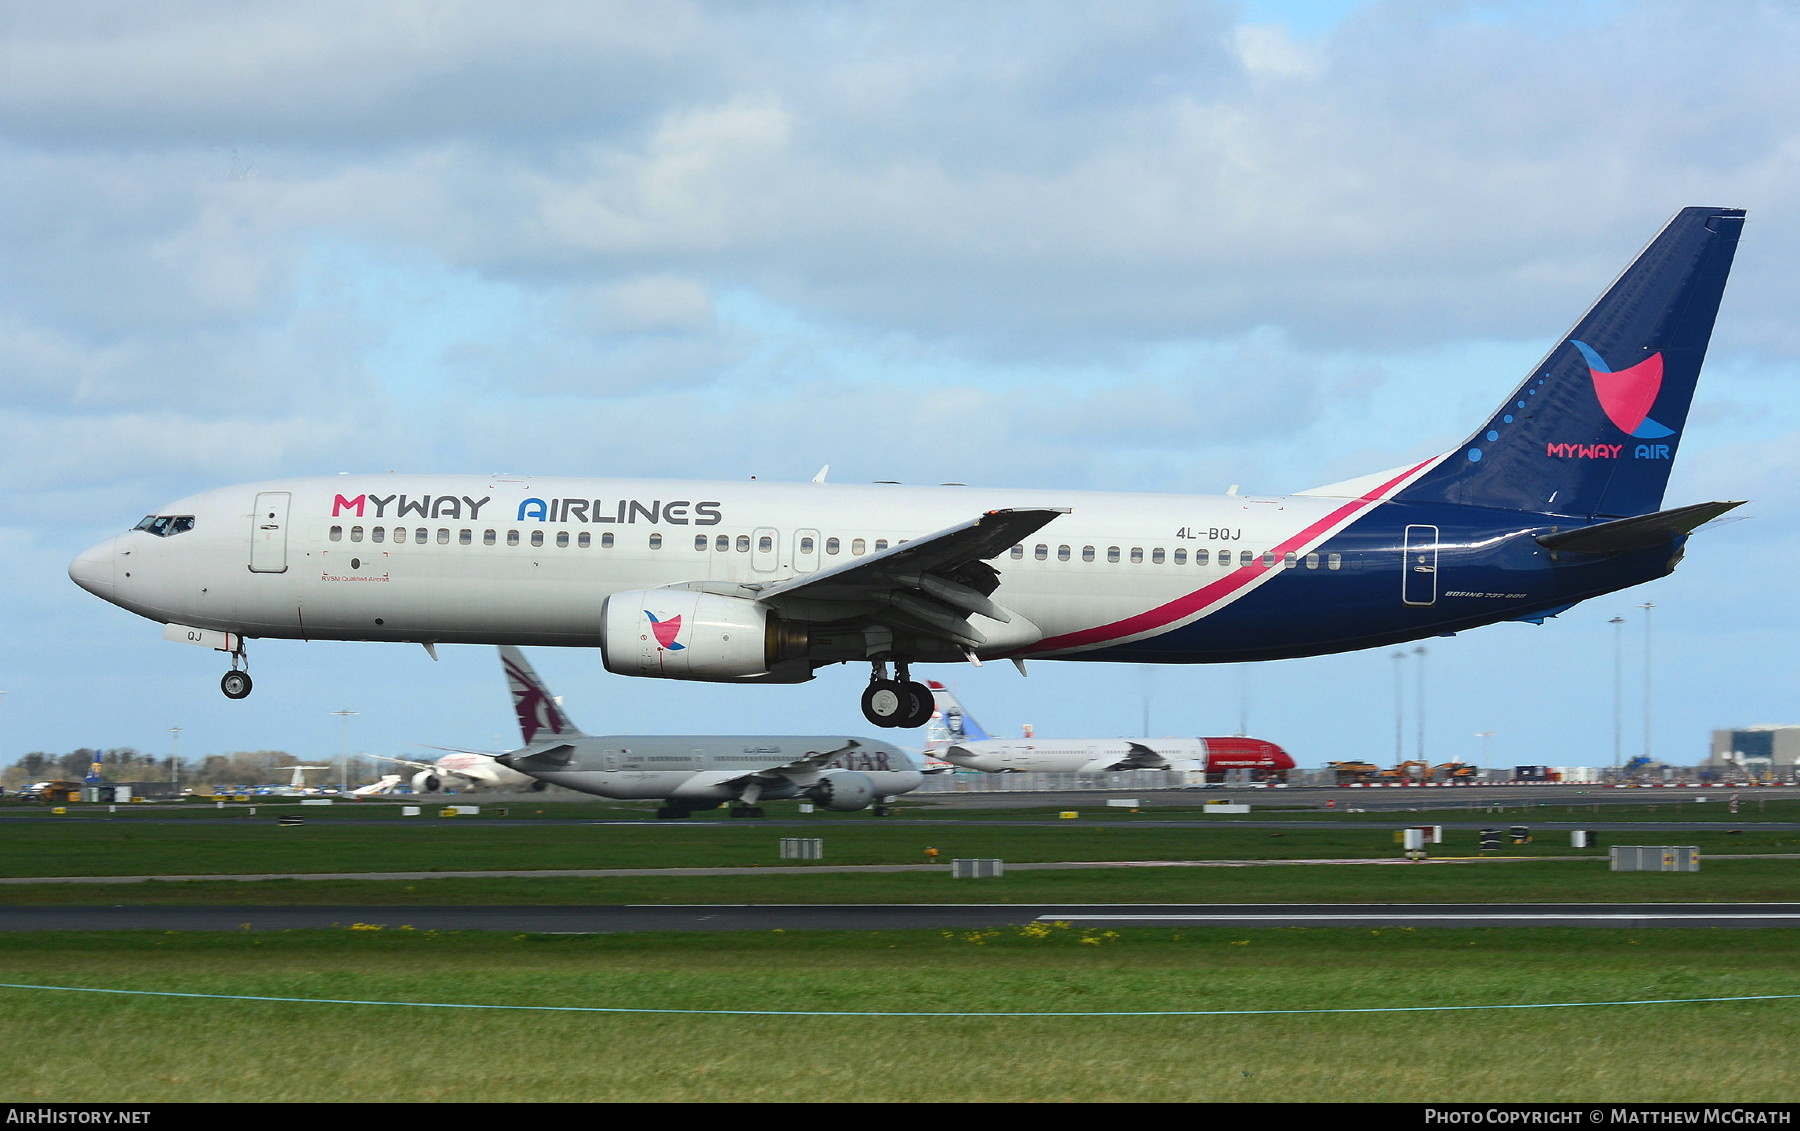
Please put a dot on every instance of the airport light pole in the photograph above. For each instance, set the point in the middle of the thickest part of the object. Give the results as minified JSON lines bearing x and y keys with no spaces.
{"x":1399,"y":708}
{"x":1420,"y":697}
{"x":1618,"y":624}
{"x":1647,"y":606}
{"x":1487,"y":750}
{"x":174,"y":755}
{"x":344,"y":744}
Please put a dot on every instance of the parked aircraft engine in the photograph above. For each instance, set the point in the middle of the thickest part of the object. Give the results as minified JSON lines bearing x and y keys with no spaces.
{"x":683,"y":634}
{"x":844,"y":792}
{"x":427,"y":782}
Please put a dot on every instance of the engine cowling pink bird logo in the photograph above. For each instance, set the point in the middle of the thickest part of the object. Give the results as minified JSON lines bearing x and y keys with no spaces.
{"x":666,"y":631}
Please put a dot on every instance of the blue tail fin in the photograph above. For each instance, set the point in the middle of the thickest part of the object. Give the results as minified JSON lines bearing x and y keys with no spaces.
{"x":1593,"y":430}
{"x":952,"y":724}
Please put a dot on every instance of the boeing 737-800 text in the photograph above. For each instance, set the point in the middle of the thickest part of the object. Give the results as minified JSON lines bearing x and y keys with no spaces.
{"x":1553,"y":500}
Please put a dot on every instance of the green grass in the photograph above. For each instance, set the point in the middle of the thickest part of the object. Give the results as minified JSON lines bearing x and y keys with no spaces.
{"x":146,"y":1049}
{"x":88,"y":847}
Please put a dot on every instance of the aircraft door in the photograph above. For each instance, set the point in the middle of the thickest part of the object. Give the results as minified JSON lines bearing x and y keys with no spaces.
{"x":765,"y":549}
{"x":1418,"y":578}
{"x":806,"y":551}
{"x":268,"y":533}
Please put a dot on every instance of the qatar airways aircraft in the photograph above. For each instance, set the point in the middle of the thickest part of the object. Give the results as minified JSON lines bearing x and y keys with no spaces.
{"x":957,"y":738}
{"x":699,"y":771}
{"x":1555,"y":498}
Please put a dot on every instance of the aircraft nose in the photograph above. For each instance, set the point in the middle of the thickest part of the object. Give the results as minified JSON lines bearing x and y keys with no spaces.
{"x":92,"y":569}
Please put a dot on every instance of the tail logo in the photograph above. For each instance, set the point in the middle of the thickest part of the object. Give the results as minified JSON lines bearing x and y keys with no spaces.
{"x":537,"y":711}
{"x":666,"y":631}
{"x":1627,"y":395}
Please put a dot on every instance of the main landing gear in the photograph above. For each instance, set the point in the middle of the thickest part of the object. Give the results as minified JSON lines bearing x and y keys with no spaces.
{"x":902,"y":703}
{"x":236,"y":682}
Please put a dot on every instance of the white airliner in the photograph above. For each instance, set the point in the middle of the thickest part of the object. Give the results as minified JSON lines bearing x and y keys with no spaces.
{"x":464,"y":770}
{"x":699,"y":771}
{"x":964,"y":742}
{"x":1554,"y":499}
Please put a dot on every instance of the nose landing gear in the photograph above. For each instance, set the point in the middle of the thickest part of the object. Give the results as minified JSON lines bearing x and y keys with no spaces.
{"x":236,"y":682}
{"x":902,"y":703}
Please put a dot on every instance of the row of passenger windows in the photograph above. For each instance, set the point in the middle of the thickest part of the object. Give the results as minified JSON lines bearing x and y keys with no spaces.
{"x":722,"y":543}
{"x":1158,"y":556}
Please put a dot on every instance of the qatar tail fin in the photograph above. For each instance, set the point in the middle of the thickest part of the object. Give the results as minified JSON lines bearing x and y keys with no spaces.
{"x":950,"y":724}
{"x":1593,"y":430}
{"x":541,"y":717}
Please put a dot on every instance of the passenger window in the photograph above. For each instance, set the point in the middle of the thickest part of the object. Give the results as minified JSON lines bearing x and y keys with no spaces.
{"x":1202,"y":557}
{"x":1332,"y":561}
{"x":880,"y":544}
{"x":723,"y":543}
{"x":512,"y":537}
{"x":764,"y":544}
{"x":443,"y":536}
{"x":356,"y":534}
{"x":562,"y":539}
{"x":1180,"y":555}
{"x":1288,"y":559}
{"x":584,"y":540}
{"x":421,"y":535}
{"x":1156,"y":556}
{"x":656,"y":541}
{"x":377,"y":534}
{"x":806,"y":545}
{"x":1312,"y":561}
{"x":831,"y":545}
{"x":1018,"y":552}
{"x":606,"y":541}
{"x":700,"y":541}
{"x":1246,"y":558}
{"x":337,"y":532}
{"x":1087,"y":553}
{"x":400,"y":534}
{"x":537,"y":537}
{"x":1112,"y":554}
{"x":487,"y":538}
{"x":1062,"y":553}
{"x":743,"y":543}
{"x":465,"y":537}
{"x":859,"y":547}
{"x":1137,"y":555}
{"x":1042,"y":552}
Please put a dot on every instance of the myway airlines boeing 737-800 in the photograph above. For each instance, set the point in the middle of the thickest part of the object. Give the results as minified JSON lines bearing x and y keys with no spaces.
{"x":1553,"y":500}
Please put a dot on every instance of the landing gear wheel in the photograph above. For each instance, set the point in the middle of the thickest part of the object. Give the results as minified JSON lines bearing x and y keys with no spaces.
{"x":919,"y":706}
{"x":667,"y":813}
{"x":235,"y":684}
{"x":884,"y":702}
{"x":882,"y":810}
{"x":751,"y":811}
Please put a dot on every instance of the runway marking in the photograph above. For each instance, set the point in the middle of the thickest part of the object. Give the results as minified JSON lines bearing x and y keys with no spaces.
{"x":884,"y":1013}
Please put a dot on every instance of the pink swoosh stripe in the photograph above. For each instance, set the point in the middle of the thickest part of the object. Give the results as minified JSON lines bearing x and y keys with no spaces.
{"x":1231,"y":583}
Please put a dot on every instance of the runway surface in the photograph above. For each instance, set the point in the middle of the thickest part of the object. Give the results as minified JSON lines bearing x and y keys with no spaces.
{"x":610,"y":920}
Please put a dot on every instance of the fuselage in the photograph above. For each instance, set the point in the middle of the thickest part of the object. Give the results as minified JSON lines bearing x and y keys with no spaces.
{"x":1110,"y":755}
{"x":711,"y":768}
{"x":1134,"y":577}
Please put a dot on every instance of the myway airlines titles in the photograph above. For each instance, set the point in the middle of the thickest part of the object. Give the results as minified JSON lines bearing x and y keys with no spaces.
{"x":675,"y":512}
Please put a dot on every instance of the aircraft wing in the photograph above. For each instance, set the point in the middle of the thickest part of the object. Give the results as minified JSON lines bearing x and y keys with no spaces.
{"x":800,"y":769}
{"x":931,"y":584}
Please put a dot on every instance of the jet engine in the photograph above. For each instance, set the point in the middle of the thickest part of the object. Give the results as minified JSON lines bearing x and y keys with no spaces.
{"x":844,"y":792}
{"x":683,"y":634}
{"x":427,"y":782}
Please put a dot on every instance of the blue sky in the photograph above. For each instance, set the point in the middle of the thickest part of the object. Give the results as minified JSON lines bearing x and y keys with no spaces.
{"x":1164,"y":246}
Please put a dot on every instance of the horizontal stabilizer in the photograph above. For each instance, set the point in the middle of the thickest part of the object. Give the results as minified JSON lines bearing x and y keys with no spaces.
{"x":1637,"y":533}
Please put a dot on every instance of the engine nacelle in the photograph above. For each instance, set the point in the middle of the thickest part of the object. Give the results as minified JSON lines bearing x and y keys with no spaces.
{"x":683,"y":634}
{"x":425,"y":781}
{"x":844,"y":792}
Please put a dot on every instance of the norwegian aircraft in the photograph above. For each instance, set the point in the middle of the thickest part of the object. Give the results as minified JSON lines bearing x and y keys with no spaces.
{"x":1554,"y":499}
{"x":963,"y":742}
{"x":461,"y":770}
{"x":699,"y":771}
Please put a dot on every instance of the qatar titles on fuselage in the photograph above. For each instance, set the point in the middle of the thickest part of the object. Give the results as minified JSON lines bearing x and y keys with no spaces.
{"x":1554,"y":500}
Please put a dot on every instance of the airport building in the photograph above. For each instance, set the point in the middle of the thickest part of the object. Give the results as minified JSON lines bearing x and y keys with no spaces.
{"x":1758,"y":748}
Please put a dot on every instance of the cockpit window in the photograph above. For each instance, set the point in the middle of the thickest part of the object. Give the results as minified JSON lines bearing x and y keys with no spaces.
{"x":166,"y":525}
